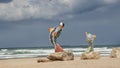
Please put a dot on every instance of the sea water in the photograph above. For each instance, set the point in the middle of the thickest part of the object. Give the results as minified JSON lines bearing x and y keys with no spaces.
{"x":8,"y":53}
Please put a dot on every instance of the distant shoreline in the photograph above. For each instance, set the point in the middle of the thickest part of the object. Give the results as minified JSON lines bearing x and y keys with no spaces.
{"x":64,"y":46}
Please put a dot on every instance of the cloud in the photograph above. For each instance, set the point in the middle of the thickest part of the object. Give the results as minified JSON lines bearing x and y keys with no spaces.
{"x":25,"y":22}
{"x":110,"y":1}
{"x":24,"y":9}
{"x":47,"y":9}
{"x":5,"y":1}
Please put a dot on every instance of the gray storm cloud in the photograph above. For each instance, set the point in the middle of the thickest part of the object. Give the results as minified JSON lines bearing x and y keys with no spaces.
{"x":46,"y":9}
{"x":25,"y":23}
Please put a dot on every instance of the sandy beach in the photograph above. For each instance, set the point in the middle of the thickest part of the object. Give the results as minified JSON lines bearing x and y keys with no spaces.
{"x":103,"y":62}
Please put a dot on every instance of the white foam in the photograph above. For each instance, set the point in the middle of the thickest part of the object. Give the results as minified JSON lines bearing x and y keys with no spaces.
{"x":24,"y":53}
{"x":4,"y":50}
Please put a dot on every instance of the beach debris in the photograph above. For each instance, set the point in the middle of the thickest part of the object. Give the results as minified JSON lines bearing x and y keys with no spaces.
{"x":90,"y":39}
{"x":115,"y":53}
{"x":90,"y":55}
{"x":43,"y":60}
{"x":58,"y":48}
{"x":54,"y":34}
{"x":62,"y":56}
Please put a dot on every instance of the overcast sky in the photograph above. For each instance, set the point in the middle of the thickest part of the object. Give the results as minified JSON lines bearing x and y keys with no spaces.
{"x":25,"y":23}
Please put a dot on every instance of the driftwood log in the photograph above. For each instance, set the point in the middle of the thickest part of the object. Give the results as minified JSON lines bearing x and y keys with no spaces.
{"x":62,"y":56}
{"x":90,"y":55}
{"x":115,"y":53}
{"x":43,"y":60}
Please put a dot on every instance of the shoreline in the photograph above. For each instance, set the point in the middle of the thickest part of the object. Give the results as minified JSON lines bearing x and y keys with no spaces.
{"x":103,"y":62}
{"x":23,"y":53}
{"x":43,"y":57}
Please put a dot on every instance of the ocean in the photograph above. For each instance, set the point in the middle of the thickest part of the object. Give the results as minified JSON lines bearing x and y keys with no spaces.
{"x":32,"y":52}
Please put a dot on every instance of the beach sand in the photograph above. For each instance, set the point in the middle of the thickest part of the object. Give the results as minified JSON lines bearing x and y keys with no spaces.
{"x":103,"y":62}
